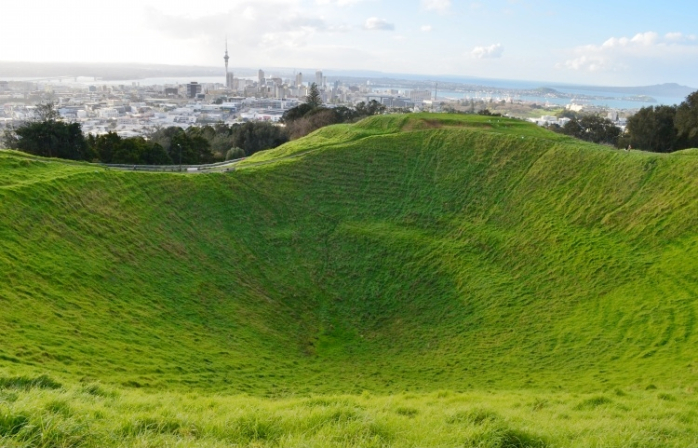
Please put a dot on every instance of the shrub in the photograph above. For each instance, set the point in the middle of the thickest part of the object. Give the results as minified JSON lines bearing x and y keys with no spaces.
{"x":234,"y":153}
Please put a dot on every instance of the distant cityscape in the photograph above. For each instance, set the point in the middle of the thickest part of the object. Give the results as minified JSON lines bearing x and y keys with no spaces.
{"x":136,"y":108}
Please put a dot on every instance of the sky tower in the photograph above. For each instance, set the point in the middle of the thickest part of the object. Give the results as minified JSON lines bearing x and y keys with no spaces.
{"x":228,"y":76}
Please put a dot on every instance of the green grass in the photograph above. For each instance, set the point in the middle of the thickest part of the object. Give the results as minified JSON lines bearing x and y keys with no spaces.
{"x":331,"y":137}
{"x":411,"y":273}
{"x":97,"y":415}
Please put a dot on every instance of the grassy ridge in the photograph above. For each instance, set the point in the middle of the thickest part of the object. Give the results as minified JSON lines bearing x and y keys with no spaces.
{"x":405,"y":253}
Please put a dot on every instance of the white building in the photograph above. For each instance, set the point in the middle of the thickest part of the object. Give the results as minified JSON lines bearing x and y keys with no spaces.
{"x":108,"y":112}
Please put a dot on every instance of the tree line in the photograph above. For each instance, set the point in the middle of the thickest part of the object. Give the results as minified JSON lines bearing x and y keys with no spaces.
{"x":590,"y":128}
{"x":48,"y":136}
{"x":311,"y":115}
{"x":653,"y":128}
{"x":665,"y":128}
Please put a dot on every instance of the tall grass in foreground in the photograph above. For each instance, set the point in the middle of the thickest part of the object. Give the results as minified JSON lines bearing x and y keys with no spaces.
{"x":94,"y":415}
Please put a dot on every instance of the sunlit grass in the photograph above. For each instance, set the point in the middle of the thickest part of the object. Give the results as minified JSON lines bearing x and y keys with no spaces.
{"x":429,"y":280}
{"x":97,"y":415}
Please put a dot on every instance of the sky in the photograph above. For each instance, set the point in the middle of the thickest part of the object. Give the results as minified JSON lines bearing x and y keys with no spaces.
{"x":593,"y":42}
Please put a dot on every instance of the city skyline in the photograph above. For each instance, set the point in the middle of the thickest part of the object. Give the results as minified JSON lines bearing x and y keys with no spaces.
{"x":594,"y":43}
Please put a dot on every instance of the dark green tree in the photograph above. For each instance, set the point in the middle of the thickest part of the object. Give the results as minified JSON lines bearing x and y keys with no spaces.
{"x":572,"y":128}
{"x":189,"y":149}
{"x":686,"y":121}
{"x":128,"y":151}
{"x":111,"y":148}
{"x":599,"y":130}
{"x":254,"y":137}
{"x":202,"y":149}
{"x":155,"y":154}
{"x":221,"y":142}
{"x":592,"y":128}
{"x":181,"y":151}
{"x":373,"y":107}
{"x":143,"y":152}
{"x":199,"y":145}
{"x":652,"y":129}
{"x":106,"y":146}
{"x":313,"y":99}
{"x":296,"y":112}
{"x":49,"y":137}
{"x":345,"y":114}
{"x":163,"y":137}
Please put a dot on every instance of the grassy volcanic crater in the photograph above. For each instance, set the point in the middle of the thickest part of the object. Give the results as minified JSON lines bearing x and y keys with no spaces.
{"x":420,"y":280}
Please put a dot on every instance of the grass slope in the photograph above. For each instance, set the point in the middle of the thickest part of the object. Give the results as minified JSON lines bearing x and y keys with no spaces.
{"x":402,"y":255}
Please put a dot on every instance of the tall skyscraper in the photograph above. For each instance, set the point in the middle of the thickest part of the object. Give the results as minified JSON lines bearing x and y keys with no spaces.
{"x":299,"y":79}
{"x":260,"y":77}
{"x":193,"y":89}
{"x":228,"y":76}
{"x":318,"y":79}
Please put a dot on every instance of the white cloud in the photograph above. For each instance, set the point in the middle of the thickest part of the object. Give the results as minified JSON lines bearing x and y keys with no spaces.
{"x":646,"y":39}
{"x":436,"y":5}
{"x":592,"y":64}
{"x":338,"y":2}
{"x":489,"y":52}
{"x":626,"y":53}
{"x":246,"y":24}
{"x":680,"y":37}
{"x":426,"y":28}
{"x":376,"y":24}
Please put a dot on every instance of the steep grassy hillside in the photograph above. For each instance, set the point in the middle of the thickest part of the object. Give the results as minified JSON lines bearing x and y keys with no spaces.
{"x":404,"y":254}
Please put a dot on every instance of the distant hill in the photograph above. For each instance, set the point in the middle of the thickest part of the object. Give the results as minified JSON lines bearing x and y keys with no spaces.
{"x":667,"y":90}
